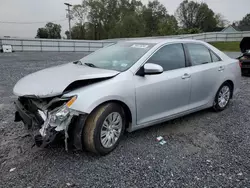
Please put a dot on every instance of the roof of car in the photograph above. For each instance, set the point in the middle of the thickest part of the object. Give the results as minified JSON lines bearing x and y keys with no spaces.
{"x":161,"y":40}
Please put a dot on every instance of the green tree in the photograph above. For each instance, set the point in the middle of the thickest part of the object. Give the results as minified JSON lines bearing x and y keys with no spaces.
{"x":189,"y":31}
{"x":51,"y":31}
{"x":67,"y":34}
{"x":244,"y":24}
{"x":78,"y":31}
{"x":131,"y":23}
{"x":153,"y":14}
{"x":109,"y":19}
{"x":196,"y":15}
{"x":42,"y":33}
{"x":221,"y":21}
{"x":101,"y":19}
{"x":168,"y":26}
{"x":131,"y":26}
{"x":54,"y":30}
{"x":96,"y":17}
{"x":79,"y":13}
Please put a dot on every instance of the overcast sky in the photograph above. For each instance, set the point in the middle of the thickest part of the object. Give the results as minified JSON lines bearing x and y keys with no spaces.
{"x":51,"y":10}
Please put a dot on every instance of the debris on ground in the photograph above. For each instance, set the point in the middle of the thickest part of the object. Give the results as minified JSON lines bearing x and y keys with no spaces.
{"x":208,"y":161}
{"x":70,"y":184}
{"x":161,"y":140}
{"x":240,"y":174}
{"x":12,"y":169}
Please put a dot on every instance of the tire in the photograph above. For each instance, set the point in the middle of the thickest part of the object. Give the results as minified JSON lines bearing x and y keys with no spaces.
{"x":94,"y":127}
{"x":222,"y":105}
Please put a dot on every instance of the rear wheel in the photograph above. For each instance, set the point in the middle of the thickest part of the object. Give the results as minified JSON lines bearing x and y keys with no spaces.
{"x":104,"y":128}
{"x":222,"y":97}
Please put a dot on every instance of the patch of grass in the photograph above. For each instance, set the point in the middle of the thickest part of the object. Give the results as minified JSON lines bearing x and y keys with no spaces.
{"x":227,"y":46}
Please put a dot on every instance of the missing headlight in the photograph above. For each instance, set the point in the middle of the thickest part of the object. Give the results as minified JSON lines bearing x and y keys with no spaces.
{"x":58,"y":119}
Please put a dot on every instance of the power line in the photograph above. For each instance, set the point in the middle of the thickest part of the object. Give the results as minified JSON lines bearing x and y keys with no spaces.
{"x":9,"y":22}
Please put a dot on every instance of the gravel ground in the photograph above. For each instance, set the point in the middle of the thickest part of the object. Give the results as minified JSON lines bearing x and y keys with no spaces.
{"x":204,"y":149}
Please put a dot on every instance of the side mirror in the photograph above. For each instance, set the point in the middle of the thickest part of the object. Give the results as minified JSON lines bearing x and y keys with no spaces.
{"x":151,"y":68}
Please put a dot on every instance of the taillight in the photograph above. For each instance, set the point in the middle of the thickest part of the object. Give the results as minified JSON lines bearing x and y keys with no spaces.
{"x":240,"y":64}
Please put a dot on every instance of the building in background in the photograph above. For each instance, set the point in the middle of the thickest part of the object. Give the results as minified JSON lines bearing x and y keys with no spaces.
{"x":231,"y":29}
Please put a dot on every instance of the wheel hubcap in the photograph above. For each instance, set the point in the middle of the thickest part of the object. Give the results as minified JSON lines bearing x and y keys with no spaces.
{"x":224,"y":96}
{"x":111,"y":129}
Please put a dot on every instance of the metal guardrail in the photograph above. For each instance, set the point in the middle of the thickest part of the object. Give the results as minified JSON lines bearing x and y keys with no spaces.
{"x":53,"y":45}
{"x":207,"y":37}
{"x":57,"y":45}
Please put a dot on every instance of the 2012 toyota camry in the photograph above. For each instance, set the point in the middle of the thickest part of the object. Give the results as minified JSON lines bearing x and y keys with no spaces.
{"x":125,"y":86}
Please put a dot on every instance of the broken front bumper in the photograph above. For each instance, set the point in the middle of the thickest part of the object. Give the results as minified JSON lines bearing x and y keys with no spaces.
{"x":49,"y":127}
{"x":34,"y":122}
{"x":29,"y":119}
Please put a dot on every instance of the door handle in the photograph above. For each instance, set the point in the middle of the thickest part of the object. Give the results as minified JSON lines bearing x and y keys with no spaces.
{"x":221,"y":68}
{"x":185,"y":76}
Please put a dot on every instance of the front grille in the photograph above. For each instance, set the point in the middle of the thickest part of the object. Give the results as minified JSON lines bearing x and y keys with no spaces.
{"x":27,"y":104}
{"x":31,"y":108}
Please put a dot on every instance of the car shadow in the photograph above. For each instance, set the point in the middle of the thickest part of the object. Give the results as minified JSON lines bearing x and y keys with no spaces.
{"x":173,"y":127}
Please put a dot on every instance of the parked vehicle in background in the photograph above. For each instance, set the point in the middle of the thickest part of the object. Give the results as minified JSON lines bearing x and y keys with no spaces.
{"x":245,"y":58}
{"x":126,"y":86}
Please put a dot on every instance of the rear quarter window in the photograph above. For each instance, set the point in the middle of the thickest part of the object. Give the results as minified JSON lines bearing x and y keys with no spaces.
{"x":215,"y":58}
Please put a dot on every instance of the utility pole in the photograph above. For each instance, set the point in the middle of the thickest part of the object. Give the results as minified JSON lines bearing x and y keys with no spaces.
{"x":69,"y":17}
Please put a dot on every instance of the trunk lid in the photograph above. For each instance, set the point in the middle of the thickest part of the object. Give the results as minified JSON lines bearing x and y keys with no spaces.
{"x":245,"y":45}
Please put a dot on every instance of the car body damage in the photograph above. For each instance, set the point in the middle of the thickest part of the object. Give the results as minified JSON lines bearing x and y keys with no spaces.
{"x":41,"y":104}
{"x":53,"y":81}
{"x":127,"y":86}
{"x":49,"y":118}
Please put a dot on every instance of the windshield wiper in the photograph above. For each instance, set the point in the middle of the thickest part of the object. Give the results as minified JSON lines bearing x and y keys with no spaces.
{"x":90,"y":65}
{"x":78,"y":62}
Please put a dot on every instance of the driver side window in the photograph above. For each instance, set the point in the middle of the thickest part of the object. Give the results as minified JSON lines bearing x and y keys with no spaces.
{"x":170,"y":57}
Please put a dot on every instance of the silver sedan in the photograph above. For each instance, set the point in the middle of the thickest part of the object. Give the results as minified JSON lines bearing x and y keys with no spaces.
{"x":125,"y":86}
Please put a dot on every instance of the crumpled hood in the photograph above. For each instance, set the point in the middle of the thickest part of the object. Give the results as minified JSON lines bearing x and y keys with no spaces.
{"x":53,"y":81}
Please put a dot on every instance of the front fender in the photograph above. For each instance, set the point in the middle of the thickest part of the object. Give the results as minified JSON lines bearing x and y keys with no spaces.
{"x":119,"y":88}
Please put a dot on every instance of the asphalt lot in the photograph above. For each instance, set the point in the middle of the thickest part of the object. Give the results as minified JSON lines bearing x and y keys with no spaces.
{"x":204,"y":149}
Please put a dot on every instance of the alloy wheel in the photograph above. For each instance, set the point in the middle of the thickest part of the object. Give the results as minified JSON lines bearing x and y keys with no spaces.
{"x":111,"y":130}
{"x":224,"y":96}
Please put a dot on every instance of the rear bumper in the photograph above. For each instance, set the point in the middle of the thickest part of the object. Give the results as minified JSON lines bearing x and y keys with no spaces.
{"x":245,"y":65}
{"x":245,"y":71}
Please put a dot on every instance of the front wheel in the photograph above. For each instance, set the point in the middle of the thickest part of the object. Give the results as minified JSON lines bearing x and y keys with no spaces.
{"x":104,"y":128}
{"x":222,"y":97}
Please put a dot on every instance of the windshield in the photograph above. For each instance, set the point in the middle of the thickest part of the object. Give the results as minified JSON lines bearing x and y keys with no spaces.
{"x":119,"y":57}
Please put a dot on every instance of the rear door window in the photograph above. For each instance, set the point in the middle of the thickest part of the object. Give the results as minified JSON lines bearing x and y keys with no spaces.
{"x":199,"y":54}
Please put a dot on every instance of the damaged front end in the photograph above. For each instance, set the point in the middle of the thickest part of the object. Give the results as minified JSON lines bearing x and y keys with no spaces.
{"x":49,"y":118}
